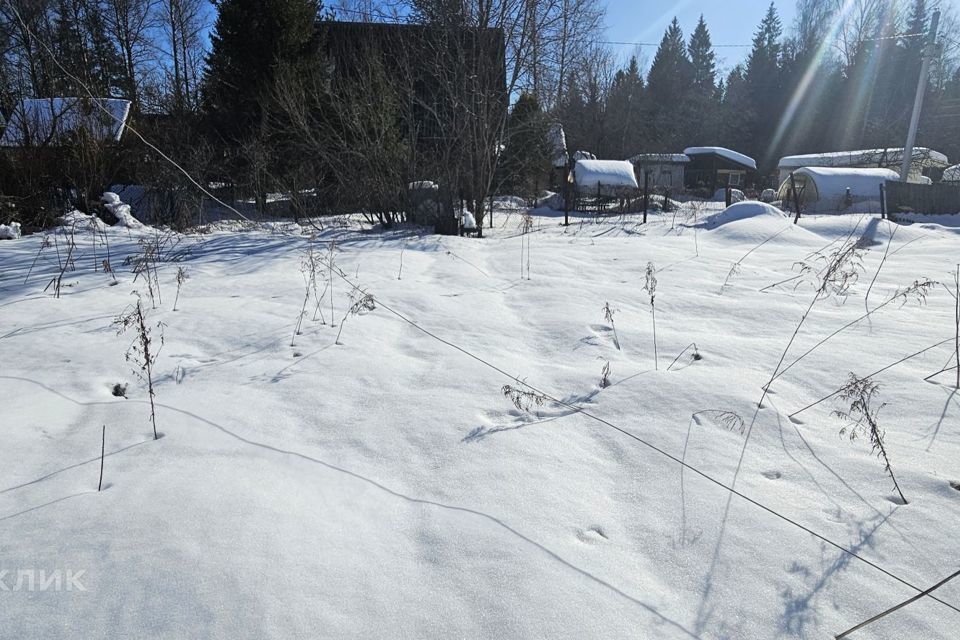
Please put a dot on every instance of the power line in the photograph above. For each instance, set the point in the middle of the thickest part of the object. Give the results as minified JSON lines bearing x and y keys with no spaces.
{"x":682,"y":463}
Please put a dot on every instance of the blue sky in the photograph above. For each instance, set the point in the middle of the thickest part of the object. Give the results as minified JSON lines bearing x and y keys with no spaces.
{"x":729,"y":21}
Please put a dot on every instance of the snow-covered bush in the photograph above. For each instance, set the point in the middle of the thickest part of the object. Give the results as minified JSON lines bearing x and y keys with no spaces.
{"x":735,"y":195}
{"x":10,"y":231}
{"x":120,"y":211}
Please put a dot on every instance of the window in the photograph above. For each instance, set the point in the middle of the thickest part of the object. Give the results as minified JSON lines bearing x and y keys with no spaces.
{"x":733,"y":179}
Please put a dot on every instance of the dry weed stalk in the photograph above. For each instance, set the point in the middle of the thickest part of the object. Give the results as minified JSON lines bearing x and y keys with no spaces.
{"x":523,"y":399}
{"x":834,"y":273}
{"x":861,"y":418}
{"x":608,"y":316}
{"x":65,"y":263}
{"x":526,"y":227}
{"x":729,"y":420}
{"x":362,"y":303}
{"x":43,"y":245}
{"x":605,"y":376}
{"x":141,"y":352}
{"x":182,"y":277}
{"x":650,"y":286}
{"x":916,"y":292}
{"x":145,"y":266}
{"x":695,"y":356}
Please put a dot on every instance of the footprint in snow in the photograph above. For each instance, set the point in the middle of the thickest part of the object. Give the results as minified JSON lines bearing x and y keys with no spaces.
{"x":772,"y":475}
{"x":592,"y":535}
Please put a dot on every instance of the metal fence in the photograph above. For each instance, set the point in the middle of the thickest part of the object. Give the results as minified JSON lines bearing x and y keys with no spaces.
{"x":936,"y":199}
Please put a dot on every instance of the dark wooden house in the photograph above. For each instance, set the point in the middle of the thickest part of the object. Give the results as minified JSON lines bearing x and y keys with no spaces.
{"x":714,"y":168}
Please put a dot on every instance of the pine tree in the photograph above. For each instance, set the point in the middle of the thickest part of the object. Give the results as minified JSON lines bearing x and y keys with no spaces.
{"x":250,"y":41}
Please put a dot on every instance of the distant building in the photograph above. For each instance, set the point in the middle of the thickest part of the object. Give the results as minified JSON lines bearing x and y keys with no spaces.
{"x":665,"y":170}
{"x":925,"y":162}
{"x":713,"y":168}
{"x":59,"y":122}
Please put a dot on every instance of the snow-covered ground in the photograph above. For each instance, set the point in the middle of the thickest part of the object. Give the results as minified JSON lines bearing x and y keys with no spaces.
{"x":385,"y":487}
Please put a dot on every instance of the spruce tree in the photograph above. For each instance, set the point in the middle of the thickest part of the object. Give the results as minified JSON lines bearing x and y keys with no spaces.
{"x":525,"y":165}
{"x":765,"y":99}
{"x":668,"y":86}
{"x":624,"y":105}
{"x":251,"y":40}
{"x":702,"y":119}
{"x":703,"y":59}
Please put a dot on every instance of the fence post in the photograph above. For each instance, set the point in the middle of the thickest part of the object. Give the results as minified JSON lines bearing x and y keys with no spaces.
{"x":796,"y":197}
{"x":598,"y":198}
{"x":883,"y":201}
{"x":646,"y":193}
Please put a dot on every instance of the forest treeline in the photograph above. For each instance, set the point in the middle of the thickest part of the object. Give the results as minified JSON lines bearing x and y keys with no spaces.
{"x":245,"y":94}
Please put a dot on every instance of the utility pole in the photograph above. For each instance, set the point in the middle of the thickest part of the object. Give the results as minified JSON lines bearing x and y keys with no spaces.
{"x":918,"y":102}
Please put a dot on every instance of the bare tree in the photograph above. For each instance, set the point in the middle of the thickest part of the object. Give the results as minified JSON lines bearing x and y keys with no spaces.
{"x":183,"y":24}
{"x":131,"y":24}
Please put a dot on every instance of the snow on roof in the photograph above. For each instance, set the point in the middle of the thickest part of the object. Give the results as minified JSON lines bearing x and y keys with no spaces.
{"x":732,"y":156}
{"x":607,"y":173}
{"x":659,"y":158}
{"x":860,"y":157}
{"x":952,"y":174}
{"x":833,"y":182}
{"x":42,"y":121}
{"x":558,"y":144}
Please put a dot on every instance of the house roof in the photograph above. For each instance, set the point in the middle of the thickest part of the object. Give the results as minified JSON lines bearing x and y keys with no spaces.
{"x":727,"y":154}
{"x":51,"y":121}
{"x":607,"y":173}
{"x":860,"y":157}
{"x":833,"y":182}
{"x":659,"y":158}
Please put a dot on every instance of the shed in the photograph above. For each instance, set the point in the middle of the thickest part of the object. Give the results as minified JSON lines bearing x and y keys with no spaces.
{"x":924,"y":161}
{"x":716,"y":167}
{"x":55,"y":122}
{"x":835,"y":190}
{"x":666,"y":170}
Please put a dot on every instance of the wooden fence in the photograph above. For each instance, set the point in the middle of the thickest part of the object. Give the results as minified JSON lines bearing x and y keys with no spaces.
{"x":932,"y":199}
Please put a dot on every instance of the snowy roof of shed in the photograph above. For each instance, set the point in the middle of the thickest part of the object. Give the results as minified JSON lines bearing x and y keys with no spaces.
{"x":659,"y":158}
{"x":732,"y":156}
{"x":877,"y":157}
{"x":952,"y":174}
{"x":607,"y":173}
{"x":833,"y":182}
{"x":50,"y":121}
